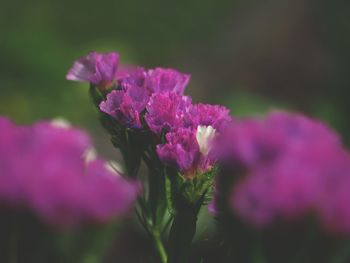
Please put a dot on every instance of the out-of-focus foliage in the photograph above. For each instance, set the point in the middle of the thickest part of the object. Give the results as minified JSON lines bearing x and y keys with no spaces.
{"x":290,"y":52}
{"x":40,"y":39}
{"x":334,"y":18}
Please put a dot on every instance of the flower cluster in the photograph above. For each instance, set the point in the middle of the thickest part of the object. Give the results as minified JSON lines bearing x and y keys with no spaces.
{"x":290,"y":166}
{"x":189,"y":144}
{"x":136,"y":89}
{"x":44,"y":168}
{"x":154,"y":100}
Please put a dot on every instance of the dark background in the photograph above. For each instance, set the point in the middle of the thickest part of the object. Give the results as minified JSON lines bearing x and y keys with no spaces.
{"x":248,"y":55}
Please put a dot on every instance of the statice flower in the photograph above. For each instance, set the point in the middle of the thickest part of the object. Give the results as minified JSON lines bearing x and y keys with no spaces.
{"x":167,"y":111}
{"x":188,"y":150}
{"x":216,"y":116}
{"x":99,"y":69}
{"x":126,"y":106}
{"x":181,"y":149}
{"x":43,"y":169}
{"x":285,"y":165}
{"x":167,"y":80}
{"x":193,"y":129}
{"x":128,"y":103}
{"x":333,"y":205}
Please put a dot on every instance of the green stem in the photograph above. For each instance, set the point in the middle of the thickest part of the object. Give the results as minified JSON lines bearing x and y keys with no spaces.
{"x":258,"y":255}
{"x":153,"y":207}
{"x":96,"y":96}
{"x":13,"y":247}
{"x":342,"y":254}
{"x":160,"y":247}
{"x":130,"y":154}
{"x":155,"y":234}
{"x":182,"y":233}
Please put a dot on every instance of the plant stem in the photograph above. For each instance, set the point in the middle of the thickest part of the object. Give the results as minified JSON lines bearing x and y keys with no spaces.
{"x":182,"y":233}
{"x":160,"y":247}
{"x":258,"y":255}
{"x":13,"y":247}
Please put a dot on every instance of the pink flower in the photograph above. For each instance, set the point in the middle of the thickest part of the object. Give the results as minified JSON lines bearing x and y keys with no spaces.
{"x":167,"y":111}
{"x":288,"y":167}
{"x":43,"y":169}
{"x":167,"y":80}
{"x":99,"y":69}
{"x":137,"y":88}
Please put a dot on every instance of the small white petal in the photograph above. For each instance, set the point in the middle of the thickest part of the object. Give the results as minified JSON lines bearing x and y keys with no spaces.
{"x":205,"y":136}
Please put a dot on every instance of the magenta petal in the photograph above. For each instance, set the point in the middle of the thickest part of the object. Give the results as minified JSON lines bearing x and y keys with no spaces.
{"x":43,"y":170}
{"x":96,"y":68}
{"x":167,"y":80}
{"x":167,"y":111}
{"x":84,"y":68}
{"x":291,"y":166}
{"x":108,"y":194}
{"x":112,"y":103}
{"x":216,"y":116}
{"x":126,"y":107}
{"x":180,"y":150}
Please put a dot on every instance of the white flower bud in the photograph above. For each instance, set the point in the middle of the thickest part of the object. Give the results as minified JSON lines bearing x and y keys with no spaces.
{"x":205,"y":136}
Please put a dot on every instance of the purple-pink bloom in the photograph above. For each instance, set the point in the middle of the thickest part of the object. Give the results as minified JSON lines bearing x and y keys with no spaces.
{"x":180,"y":150}
{"x":136,"y":88}
{"x":43,"y":169}
{"x":99,"y":69}
{"x":136,"y":77}
{"x":216,"y":116}
{"x":192,"y":131}
{"x":126,"y":106}
{"x":183,"y":150}
{"x":105,"y":200}
{"x":167,"y":80}
{"x":289,"y":168}
{"x":333,"y":205}
{"x":167,"y":111}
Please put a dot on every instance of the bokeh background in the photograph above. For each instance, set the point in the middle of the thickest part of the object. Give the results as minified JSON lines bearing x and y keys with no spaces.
{"x":249,"y":55}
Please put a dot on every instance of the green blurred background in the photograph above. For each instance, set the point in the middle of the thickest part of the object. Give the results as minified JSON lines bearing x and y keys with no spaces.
{"x":248,"y":55}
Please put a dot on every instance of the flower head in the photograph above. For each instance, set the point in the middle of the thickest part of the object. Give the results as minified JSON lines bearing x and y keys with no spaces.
{"x":188,"y":150}
{"x":181,"y":149}
{"x":333,"y":203}
{"x":167,"y":80}
{"x":286,"y":164}
{"x":99,"y":69}
{"x":209,"y":115}
{"x":166,"y":111}
{"x":136,"y":90}
{"x":137,"y":77}
{"x":42,"y":169}
{"x":192,"y":131}
{"x":126,"y":106}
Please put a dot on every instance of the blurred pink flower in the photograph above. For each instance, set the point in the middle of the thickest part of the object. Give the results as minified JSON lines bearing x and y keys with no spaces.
{"x":43,"y":169}
{"x":290,"y":167}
